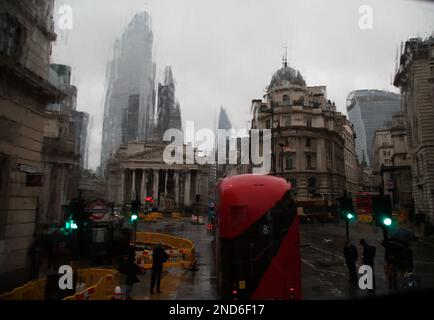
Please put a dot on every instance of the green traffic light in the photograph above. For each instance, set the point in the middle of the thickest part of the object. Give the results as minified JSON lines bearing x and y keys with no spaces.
{"x":67,"y":225}
{"x":74,"y":225}
{"x":134,"y":217}
{"x":350,"y":216}
{"x":387,"y":221}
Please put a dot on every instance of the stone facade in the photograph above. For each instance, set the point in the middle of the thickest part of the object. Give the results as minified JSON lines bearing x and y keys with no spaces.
{"x":63,"y":150}
{"x":415,"y":78}
{"x":25,"y":49}
{"x":307,"y":143}
{"x":139,"y":169}
{"x":353,"y":169}
{"x":392,"y":164}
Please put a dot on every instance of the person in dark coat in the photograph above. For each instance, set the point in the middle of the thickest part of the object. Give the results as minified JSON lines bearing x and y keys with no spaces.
{"x":368,"y":256}
{"x":159,"y":256}
{"x":390,"y":266}
{"x":131,"y":277}
{"x":351,"y":256}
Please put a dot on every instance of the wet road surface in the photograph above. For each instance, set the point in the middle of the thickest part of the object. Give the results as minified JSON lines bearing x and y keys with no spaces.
{"x":324,"y":273}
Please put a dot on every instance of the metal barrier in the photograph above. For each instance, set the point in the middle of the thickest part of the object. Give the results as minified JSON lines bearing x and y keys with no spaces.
{"x":181,"y":252}
{"x":99,"y":284}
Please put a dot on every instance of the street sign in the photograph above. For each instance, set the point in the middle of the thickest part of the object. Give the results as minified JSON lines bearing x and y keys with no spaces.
{"x":29,"y":169}
{"x":98,"y":211}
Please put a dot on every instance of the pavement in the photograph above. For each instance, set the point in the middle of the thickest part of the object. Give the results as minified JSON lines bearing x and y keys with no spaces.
{"x":324,"y":273}
{"x":179,"y":284}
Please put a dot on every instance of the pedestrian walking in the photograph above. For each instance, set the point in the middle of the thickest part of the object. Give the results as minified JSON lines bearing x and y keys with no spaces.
{"x":351,"y":256}
{"x":368,"y":257}
{"x":390,"y":263}
{"x":131,"y":277}
{"x":211,"y":215}
{"x":159,"y":256}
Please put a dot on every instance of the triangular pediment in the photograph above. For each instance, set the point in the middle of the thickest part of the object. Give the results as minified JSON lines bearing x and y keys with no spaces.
{"x":155,"y":155}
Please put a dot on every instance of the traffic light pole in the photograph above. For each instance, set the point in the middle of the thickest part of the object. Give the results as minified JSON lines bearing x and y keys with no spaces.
{"x":135,"y":232}
{"x":347,"y":223}
{"x":385,"y":234}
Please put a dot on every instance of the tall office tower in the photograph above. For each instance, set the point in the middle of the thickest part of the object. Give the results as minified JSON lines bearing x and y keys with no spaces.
{"x":224,"y":122}
{"x":168,"y":110}
{"x":130,"y":88}
{"x":369,"y":110}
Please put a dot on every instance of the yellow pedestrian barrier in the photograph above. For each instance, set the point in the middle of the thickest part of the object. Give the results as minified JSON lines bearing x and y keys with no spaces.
{"x":33,"y":290}
{"x":364,"y":218}
{"x":99,"y":284}
{"x":149,"y":218}
{"x":176,"y":215}
{"x":181,"y":251}
{"x":156,"y":215}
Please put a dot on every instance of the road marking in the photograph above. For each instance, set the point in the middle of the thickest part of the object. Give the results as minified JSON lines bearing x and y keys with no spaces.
{"x":327,"y":252}
{"x":321,"y":270}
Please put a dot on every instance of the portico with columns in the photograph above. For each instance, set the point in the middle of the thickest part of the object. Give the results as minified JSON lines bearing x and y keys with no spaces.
{"x":139,"y":169}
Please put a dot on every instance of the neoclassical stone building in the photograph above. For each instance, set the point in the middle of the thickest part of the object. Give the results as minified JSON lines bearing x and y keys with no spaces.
{"x":139,"y":169}
{"x":307,"y":138}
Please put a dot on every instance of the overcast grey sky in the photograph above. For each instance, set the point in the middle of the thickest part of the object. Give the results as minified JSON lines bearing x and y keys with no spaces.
{"x":224,"y":52}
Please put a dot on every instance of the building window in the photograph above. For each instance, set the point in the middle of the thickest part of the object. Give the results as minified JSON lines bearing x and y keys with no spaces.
{"x":308,"y":161}
{"x":289,"y":162}
{"x":286,"y":121}
{"x":311,"y":185}
{"x":308,"y":142}
{"x":309,"y":122}
{"x":285,"y":98}
{"x":11,"y":36}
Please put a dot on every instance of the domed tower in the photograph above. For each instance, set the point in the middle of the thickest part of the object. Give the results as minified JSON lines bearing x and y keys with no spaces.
{"x":306,"y":148}
{"x":286,"y":77}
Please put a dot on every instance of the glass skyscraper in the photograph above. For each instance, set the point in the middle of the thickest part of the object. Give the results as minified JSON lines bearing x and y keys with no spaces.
{"x":369,"y":110}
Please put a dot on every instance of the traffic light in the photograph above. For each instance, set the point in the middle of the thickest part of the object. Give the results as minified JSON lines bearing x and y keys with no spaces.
{"x":70,"y":225}
{"x":382,"y":209}
{"x":346,"y":208}
{"x":135,"y":207}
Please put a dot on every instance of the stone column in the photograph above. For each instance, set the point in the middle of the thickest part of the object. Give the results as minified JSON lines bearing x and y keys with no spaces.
{"x":144,"y":183}
{"x":187,"y":201}
{"x":155,"y":186}
{"x":133,"y":185}
{"x":176,"y":173}
{"x":122,"y":188}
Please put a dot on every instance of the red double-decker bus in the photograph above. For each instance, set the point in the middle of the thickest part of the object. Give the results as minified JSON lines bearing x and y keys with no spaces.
{"x":363,"y":202}
{"x":258,"y":250}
